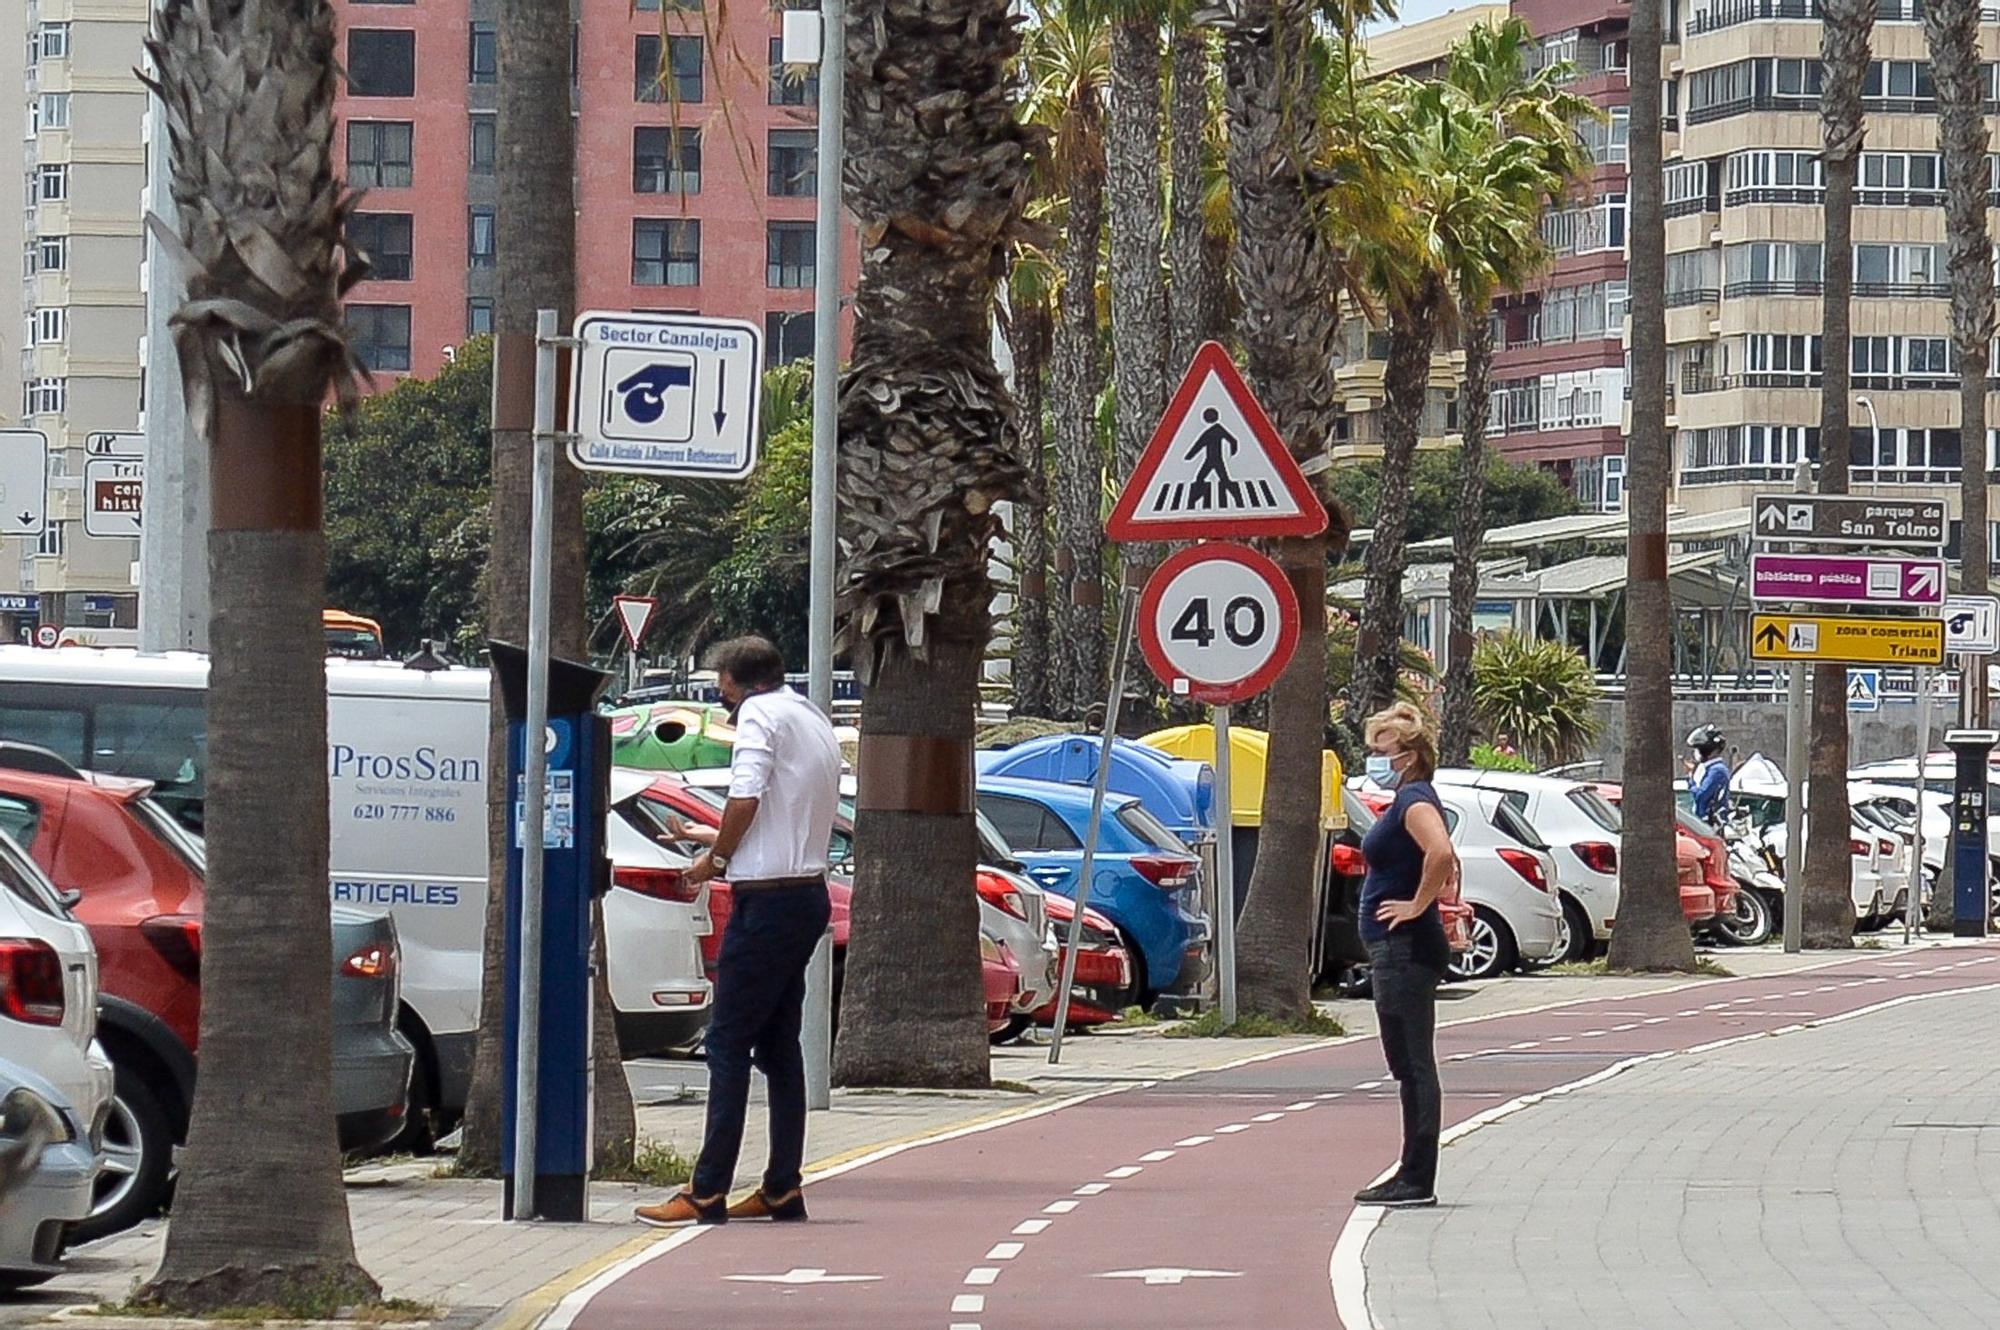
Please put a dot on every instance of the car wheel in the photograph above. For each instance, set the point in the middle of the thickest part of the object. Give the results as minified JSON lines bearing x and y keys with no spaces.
{"x":137,"y":1173}
{"x":1577,"y":938}
{"x":1016,"y":1026}
{"x":1492,"y":952}
{"x":1747,"y":925}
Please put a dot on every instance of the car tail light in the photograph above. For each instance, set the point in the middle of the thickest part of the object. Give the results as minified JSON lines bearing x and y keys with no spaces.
{"x":1598,"y":856}
{"x":1859,"y":847}
{"x":1529,"y":867}
{"x":31,"y":981}
{"x":662,"y":884}
{"x":375,"y":961}
{"x":1163,"y":871}
{"x":989,"y":950}
{"x":1002,"y":894}
{"x":1378,"y":804}
{"x":1347,"y":861}
{"x":1886,"y":848}
{"x":177,"y":937}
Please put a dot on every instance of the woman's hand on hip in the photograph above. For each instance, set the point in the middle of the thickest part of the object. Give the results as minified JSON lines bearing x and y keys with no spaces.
{"x":1394,"y":913}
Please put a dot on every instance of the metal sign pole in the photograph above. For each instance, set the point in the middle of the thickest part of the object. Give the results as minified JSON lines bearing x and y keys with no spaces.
{"x":816,"y":1032}
{"x":534,"y":770}
{"x":1914,"y":909}
{"x":1795,"y":764}
{"x":1225,"y":873}
{"x":1128,"y":609}
{"x":826,"y":351}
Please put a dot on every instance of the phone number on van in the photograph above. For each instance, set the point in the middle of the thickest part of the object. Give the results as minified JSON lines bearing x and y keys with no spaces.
{"x":403,"y":813}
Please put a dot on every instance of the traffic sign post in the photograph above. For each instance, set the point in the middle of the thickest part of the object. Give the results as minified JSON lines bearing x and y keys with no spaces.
{"x":113,"y":443}
{"x":113,"y":488}
{"x":666,"y":395}
{"x":24,"y":482}
{"x":1218,"y":623}
{"x":1864,"y":691}
{"x":635,"y":615}
{"x":1972,"y":625}
{"x":1847,"y":519}
{"x":1842,"y":579}
{"x":1847,"y":639}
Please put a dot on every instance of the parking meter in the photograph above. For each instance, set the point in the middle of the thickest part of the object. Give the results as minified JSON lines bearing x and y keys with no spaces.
{"x":1968,"y":830}
{"x":575,"y":872}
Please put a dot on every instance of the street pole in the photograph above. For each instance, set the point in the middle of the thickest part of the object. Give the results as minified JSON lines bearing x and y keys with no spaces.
{"x":1225,"y":872}
{"x":1914,"y":909}
{"x":826,"y":351}
{"x":816,"y":1029}
{"x":1128,"y":611}
{"x":534,"y":769}
{"x":1795,"y":765}
{"x":1867,"y":404}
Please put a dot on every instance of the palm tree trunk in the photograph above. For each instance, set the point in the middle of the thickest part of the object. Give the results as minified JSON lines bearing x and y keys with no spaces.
{"x":1196,"y":294}
{"x":1078,"y":379}
{"x":1469,"y":529}
{"x":1412,"y":335}
{"x":1827,"y":893}
{"x":537,"y":249}
{"x":929,"y":444}
{"x":1028,"y":339}
{"x":1289,"y":328}
{"x":1652,"y":933}
{"x":261,"y":1216}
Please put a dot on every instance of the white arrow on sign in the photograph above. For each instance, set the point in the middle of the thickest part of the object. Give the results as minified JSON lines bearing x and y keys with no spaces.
{"x":1924,"y":580}
{"x":1170,"y":1274}
{"x":804,"y":1277}
{"x":1772,"y":517}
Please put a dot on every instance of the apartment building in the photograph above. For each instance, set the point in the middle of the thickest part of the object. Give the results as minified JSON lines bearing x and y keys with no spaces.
{"x":81,"y":310}
{"x":696,"y":170}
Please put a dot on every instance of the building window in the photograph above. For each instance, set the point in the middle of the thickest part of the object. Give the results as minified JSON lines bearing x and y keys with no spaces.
{"x":54,"y":110}
{"x":378,"y":154}
{"x":794,"y":159}
{"x":51,"y":543}
{"x":481,"y":243}
{"x":788,"y":336}
{"x":792,"y":85}
{"x":45,"y":397}
{"x":385,"y":238}
{"x":666,"y":161}
{"x":49,"y":325}
{"x":485,"y":150}
{"x":484,"y":61}
{"x":684,"y":55}
{"x":666,"y":252}
{"x":478,"y":317}
{"x":381,"y":62}
{"x":379,"y":336}
{"x":55,"y":41}
{"x":53,"y":182}
{"x":54,"y":253}
{"x":789,"y":254}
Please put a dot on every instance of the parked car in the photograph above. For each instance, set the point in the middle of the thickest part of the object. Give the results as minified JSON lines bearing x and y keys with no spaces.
{"x":1583,"y":833}
{"x":1877,"y":873}
{"x":1894,"y":808}
{"x":655,"y":924}
{"x":1178,"y":792}
{"x":1145,"y":880}
{"x":1103,"y":976}
{"x":1001,"y":980}
{"x":137,"y":880}
{"x":48,"y":1165}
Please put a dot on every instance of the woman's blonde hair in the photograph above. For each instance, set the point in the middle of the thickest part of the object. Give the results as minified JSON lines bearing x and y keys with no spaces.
{"x":1410,"y":727}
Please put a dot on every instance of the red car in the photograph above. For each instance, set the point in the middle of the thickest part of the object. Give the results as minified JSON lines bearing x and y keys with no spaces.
{"x":1103,"y":966}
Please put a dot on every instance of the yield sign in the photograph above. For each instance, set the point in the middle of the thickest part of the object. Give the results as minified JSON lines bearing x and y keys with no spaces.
{"x":634,"y":614}
{"x":1215,"y":468}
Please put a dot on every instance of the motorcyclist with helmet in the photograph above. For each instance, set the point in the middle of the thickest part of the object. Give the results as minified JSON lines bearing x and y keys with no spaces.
{"x":1708,"y":777}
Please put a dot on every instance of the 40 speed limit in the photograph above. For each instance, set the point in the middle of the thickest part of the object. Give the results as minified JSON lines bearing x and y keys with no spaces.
{"x":1218,"y":623}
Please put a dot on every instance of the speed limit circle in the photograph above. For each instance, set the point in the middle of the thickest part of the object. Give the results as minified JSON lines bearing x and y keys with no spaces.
{"x":1218,"y":623}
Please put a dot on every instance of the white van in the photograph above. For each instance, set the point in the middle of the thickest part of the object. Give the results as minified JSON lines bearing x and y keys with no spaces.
{"x":407,"y":770}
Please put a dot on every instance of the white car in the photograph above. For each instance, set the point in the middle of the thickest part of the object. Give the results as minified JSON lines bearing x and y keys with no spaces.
{"x":1878,"y":871}
{"x":48,"y":1029}
{"x":654,"y":921}
{"x":1583,"y":834}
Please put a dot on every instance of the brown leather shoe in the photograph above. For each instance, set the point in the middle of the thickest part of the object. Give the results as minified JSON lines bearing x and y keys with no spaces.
{"x":787,"y":1209}
{"x":685,"y":1208}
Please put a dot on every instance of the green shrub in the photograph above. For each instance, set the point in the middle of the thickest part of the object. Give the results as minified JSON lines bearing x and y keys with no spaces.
{"x":1488,"y":758}
{"x":1536,"y":695}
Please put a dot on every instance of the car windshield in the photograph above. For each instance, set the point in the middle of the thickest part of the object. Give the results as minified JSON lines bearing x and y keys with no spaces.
{"x":186,"y":845}
{"x":1150,"y":829}
{"x":1595,"y":808}
{"x":26,"y":883}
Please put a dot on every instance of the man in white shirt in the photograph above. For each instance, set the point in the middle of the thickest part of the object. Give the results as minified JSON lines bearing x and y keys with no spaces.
{"x":772,"y":846}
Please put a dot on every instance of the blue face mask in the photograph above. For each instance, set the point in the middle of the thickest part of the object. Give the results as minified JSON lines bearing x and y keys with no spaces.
{"x":1382,"y":771}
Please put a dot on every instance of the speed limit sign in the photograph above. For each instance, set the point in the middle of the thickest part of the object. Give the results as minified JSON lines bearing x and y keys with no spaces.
{"x":1218,"y":623}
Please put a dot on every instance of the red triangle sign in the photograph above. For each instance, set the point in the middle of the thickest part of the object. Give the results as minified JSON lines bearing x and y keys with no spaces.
{"x":635,"y":614}
{"x":1216,"y":468}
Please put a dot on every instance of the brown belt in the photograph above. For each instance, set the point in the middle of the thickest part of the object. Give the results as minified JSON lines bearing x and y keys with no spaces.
{"x":778,"y":883}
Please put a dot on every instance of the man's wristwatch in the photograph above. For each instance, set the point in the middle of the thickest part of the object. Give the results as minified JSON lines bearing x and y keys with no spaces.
{"x":719,"y":862}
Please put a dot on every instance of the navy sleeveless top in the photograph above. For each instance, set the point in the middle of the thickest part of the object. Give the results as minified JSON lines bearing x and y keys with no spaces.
{"x":1396,"y":871}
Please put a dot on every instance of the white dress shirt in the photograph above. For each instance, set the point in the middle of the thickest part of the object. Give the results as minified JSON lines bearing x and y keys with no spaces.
{"x":788,"y":760}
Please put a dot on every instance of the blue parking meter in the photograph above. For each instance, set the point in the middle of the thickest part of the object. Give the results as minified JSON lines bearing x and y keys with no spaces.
{"x":575,"y":872}
{"x":1968,"y":830}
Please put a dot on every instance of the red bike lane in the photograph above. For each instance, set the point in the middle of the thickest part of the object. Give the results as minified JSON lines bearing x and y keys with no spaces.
{"x":1216,"y":1199}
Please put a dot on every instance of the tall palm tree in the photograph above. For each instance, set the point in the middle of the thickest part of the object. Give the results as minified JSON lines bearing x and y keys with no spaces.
{"x":1069,"y":70}
{"x":1029,"y":325}
{"x":1288,"y":275}
{"x":938,"y":177}
{"x":1652,"y":933}
{"x":1195,"y":297}
{"x":1952,"y":27}
{"x":1491,"y":66}
{"x":248,"y":92}
{"x":536,"y":233}
{"x":1846,"y":25}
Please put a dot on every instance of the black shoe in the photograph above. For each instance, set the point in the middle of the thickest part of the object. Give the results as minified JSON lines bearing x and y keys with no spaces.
{"x":1397,"y":1194}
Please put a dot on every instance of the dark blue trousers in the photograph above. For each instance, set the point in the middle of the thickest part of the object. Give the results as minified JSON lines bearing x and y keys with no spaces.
{"x":760,"y":991}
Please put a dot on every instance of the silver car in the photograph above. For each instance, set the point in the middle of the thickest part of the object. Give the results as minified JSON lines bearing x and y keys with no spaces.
{"x":371,"y":1058}
{"x":1017,"y":917}
{"x":47,"y":1168}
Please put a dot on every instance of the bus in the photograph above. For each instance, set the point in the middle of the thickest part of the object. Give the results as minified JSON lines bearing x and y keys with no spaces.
{"x":352,"y":637}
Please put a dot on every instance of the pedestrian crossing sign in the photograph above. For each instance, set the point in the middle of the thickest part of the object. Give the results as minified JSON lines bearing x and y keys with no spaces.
{"x":1215,"y":468}
{"x":1864,"y":690}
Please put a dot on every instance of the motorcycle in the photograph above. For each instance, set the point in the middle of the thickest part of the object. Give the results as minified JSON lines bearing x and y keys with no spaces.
{"x":1759,"y":874}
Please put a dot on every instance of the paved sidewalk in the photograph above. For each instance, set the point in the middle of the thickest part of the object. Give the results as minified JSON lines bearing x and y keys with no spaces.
{"x":1844,"y":1175}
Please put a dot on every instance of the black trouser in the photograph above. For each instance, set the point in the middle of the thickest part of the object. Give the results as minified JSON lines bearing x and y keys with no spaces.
{"x":1405,"y":990}
{"x":760,"y":991}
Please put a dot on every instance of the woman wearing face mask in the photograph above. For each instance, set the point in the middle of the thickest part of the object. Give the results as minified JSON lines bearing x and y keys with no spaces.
{"x":1410,"y":863}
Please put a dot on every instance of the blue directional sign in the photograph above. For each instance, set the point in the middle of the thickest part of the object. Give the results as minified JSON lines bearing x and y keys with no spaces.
{"x":666,"y":395}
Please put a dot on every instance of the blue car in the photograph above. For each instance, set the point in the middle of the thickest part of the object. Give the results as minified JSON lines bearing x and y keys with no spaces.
{"x":1144,"y":879}
{"x":1181,"y":794}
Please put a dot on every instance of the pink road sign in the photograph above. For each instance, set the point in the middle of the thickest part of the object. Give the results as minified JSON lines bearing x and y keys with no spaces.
{"x":1847,"y":579}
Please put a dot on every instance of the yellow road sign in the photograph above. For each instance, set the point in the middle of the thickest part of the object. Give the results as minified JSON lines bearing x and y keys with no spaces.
{"x":1847,"y":638}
